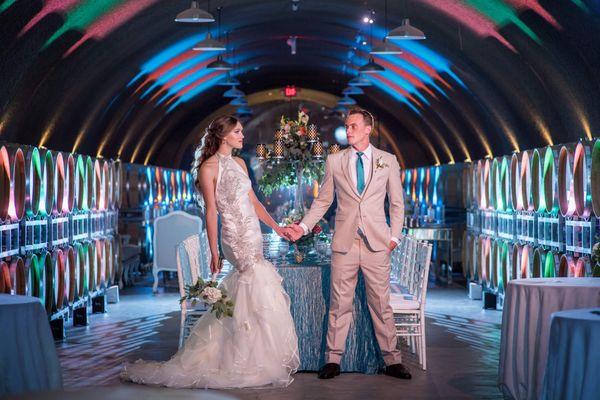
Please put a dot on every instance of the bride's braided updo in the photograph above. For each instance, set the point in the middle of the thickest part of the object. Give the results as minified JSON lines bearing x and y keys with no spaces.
{"x":212,"y":139}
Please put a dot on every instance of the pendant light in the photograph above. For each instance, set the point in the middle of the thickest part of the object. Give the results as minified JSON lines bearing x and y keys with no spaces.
{"x":371,"y":67}
{"x":219,"y":64}
{"x":229,"y":81}
{"x":385,"y":47}
{"x":210,"y":44}
{"x":194,"y":14}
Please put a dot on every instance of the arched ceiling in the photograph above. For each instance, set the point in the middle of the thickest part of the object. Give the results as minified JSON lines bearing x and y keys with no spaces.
{"x":119,"y":78}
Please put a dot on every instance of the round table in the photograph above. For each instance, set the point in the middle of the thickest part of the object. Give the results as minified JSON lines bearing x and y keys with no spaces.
{"x":28,"y":358}
{"x":526,"y":317}
{"x":573,"y":367}
{"x":309,"y":289}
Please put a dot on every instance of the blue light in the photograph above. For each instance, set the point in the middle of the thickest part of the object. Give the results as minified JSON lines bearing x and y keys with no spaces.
{"x":394,"y":94}
{"x":340,"y":135}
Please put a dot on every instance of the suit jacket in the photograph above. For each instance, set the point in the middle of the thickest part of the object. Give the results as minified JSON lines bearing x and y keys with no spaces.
{"x":364,"y":210}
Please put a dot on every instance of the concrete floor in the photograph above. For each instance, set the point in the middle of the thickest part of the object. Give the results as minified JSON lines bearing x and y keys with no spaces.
{"x":462,"y":346}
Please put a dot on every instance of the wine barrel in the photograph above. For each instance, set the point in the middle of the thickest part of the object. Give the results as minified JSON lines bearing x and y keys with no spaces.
{"x":90,"y":188}
{"x":484,"y":175}
{"x":537,"y":179}
{"x":72,"y":271}
{"x":118,"y":183}
{"x":504,"y":265}
{"x":525,"y":178}
{"x":33,"y":182}
{"x":526,"y":259}
{"x":551,"y":261}
{"x":566,"y":195}
{"x":582,"y":178}
{"x":37,"y":276}
{"x":93,"y":265}
{"x":110,"y":185}
{"x":61,"y":279}
{"x":493,"y":265}
{"x":474,"y":269}
{"x":104,"y":186}
{"x":464,"y":250}
{"x":503,"y":202}
{"x":581,"y":267}
{"x":413,"y":186}
{"x":539,"y":258}
{"x":550,"y":179}
{"x":83,"y":265}
{"x":563,"y":265}
{"x":98,"y":196}
{"x":174,"y":192}
{"x":58,"y":184}
{"x":466,"y":186}
{"x":80,"y":184}
{"x":5,"y":281}
{"x":47,"y":195}
{"x":595,"y":178}
{"x":109,"y":260}
{"x":179,"y":184}
{"x":516,"y":196}
{"x":118,"y":266}
{"x":69,"y":196}
{"x":47,"y":264}
{"x":492,"y":183}
{"x":158,"y":186}
{"x":19,"y":276}
{"x":517,"y":251}
{"x":100,"y":264}
{"x":485,"y":249}
{"x":12,"y":183}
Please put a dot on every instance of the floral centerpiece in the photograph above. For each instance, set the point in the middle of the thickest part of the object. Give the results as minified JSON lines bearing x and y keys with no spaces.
{"x":213,"y":296}
{"x":296,"y":155}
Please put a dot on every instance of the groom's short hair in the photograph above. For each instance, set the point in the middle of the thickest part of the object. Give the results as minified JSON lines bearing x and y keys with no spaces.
{"x":367,"y":116}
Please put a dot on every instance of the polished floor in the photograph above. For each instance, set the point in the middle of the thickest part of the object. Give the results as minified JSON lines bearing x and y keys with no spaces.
{"x":462,"y":344}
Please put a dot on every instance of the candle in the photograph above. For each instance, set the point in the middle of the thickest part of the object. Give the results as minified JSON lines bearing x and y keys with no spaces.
{"x":278,"y":149}
{"x":312,"y":135}
{"x":261,"y":151}
{"x":334,"y":148}
{"x":278,"y":134}
{"x":317,"y":149}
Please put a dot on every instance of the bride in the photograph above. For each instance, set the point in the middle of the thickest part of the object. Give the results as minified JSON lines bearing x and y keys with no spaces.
{"x":258,"y":346}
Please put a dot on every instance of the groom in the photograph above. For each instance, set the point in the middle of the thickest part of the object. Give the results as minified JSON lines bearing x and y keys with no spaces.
{"x":360,"y":176}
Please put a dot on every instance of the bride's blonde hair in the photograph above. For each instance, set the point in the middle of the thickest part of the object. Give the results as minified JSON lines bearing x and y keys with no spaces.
{"x":209,"y":144}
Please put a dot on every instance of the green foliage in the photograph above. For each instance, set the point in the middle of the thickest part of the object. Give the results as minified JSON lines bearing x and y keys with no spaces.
{"x":222,"y":307}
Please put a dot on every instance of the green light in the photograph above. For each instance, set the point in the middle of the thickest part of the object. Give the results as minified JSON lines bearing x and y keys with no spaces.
{"x":83,"y":15}
{"x":4,"y":6}
{"x":549,"y":266}
{"x":502,"y":14}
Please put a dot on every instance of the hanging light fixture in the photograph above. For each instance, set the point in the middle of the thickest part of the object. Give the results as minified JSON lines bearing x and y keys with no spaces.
{"x":406,"y":32}
{"x":210,"y":44}
{"x":352,"y":90}
{"x":194,"y":14}
{"x":385,"y":47}
{"x":220,"y":65}
{"x":371,"y":67}
{"x":239,"y":101}
{"x":233,"y":92}
{"x":360,"y":81}
{"x":346,"y":101}
{"x":229,"y":81}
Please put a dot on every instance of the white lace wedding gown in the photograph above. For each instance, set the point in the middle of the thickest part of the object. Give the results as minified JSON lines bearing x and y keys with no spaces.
{"x":258,"y":346}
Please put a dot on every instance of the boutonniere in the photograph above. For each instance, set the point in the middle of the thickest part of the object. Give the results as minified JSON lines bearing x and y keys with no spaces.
{"x":380,"y":164}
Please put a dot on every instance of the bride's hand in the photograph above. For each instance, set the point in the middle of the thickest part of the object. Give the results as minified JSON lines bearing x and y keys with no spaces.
{"x":215,"y":266}
{"x":282,"y":232}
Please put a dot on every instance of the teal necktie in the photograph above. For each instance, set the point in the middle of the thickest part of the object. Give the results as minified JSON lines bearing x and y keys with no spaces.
{"x":360,"y":172}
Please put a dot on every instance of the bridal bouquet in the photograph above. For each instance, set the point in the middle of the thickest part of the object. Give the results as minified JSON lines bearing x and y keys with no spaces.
{"x":210,"y":294}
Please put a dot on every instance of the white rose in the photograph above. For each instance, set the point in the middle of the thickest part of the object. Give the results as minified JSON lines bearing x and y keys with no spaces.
{"x":211,"y":295}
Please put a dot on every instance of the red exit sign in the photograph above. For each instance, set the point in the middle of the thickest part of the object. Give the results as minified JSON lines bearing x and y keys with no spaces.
{"x":290,"y":91}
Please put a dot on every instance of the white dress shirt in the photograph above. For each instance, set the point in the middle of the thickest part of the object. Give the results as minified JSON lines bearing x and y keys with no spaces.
{"x":367,"y":161}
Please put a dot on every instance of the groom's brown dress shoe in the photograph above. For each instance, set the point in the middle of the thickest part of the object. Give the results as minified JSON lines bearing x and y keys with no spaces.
{"x":329,"y":371}
{"x":398,"y":371}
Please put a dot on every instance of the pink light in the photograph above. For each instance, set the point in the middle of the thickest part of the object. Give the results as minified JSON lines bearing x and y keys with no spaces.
{"x":423,"y":66}
{"x":468,"y":16}
{"x":166,"y":67}
{"x":111,"y":21}
{"x":194,"y":85}
{"x":397,"y":89}
{"x":536,"y":7}
{"x":50,"y":6}
{"x":179,"y":77}
{"x":409,"y":77}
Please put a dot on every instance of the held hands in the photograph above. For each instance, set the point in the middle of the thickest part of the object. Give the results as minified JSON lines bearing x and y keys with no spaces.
{"x":291,"y":232}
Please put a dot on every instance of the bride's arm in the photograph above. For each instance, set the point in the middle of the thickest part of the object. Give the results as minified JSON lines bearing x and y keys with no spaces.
{"x":261,"y":212}
{"x":208,"y":173}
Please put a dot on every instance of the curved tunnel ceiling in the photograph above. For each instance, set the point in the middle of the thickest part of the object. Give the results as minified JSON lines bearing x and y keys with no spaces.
{"x":119,"y":78}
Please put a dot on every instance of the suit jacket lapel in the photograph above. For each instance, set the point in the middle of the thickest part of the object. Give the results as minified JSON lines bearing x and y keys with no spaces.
{"x":346,"y":170}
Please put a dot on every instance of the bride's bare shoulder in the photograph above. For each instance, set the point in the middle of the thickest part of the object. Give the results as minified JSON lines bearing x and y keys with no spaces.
{"x":210,"y":166}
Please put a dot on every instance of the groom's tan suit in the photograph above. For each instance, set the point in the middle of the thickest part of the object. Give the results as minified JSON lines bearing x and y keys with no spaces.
{"x":361,"y":240}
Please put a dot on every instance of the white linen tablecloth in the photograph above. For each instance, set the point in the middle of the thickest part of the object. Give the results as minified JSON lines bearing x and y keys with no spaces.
{"x":528,"y":306}
{"x":573,"y":367}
